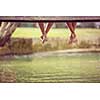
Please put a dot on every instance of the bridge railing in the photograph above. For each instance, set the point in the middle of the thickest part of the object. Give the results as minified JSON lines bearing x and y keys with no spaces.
{"x":50,"y":18}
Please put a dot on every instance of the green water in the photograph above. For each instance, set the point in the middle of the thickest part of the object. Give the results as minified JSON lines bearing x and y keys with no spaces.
{"x":55,"y":68}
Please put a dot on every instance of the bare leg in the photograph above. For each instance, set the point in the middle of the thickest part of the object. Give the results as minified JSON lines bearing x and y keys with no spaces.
{"x":72,"y":26}
{"x":45,"y":30}
{"x":41,"y":25}
{"x":48,"y":27}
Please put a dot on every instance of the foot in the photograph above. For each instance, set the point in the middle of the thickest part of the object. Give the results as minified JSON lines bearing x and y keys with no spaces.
{"x":43,"y":38}
{"x":72,"y":39}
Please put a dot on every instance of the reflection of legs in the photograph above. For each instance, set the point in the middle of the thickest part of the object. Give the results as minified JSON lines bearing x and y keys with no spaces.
{"x":72,"y":26}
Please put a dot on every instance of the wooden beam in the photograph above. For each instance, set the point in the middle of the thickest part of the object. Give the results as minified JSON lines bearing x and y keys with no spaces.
{"x":50,"y":18}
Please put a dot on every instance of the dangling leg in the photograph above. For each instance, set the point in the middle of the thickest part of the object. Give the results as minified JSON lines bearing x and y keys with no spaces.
{"x":48,"y":27}
{"x":72,"y":26}
{"x":41,"y":25}
{"x":45,"y":31}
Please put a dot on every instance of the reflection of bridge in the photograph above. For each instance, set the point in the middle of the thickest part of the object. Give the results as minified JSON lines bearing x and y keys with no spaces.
{"x":50,"y":18}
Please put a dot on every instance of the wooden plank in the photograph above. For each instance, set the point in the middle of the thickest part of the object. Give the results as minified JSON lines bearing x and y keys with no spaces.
{"x":50,"y":18}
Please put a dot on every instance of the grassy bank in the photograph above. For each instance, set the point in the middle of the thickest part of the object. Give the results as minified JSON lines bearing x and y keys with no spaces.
{"x":57,"y":40}
{"x":84,"y":33}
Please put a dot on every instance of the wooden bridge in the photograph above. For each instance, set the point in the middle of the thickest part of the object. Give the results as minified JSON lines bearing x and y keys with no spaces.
{"x":11,"y":27}
{"x":50,"y":18}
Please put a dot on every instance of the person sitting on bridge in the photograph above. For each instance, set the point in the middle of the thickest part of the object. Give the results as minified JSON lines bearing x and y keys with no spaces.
{"x":71,"y":26}
{"x":45,"y":30}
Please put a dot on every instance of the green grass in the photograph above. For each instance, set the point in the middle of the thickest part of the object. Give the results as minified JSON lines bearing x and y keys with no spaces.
{"x":55,"y":68}
{"x":35,"y":32}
